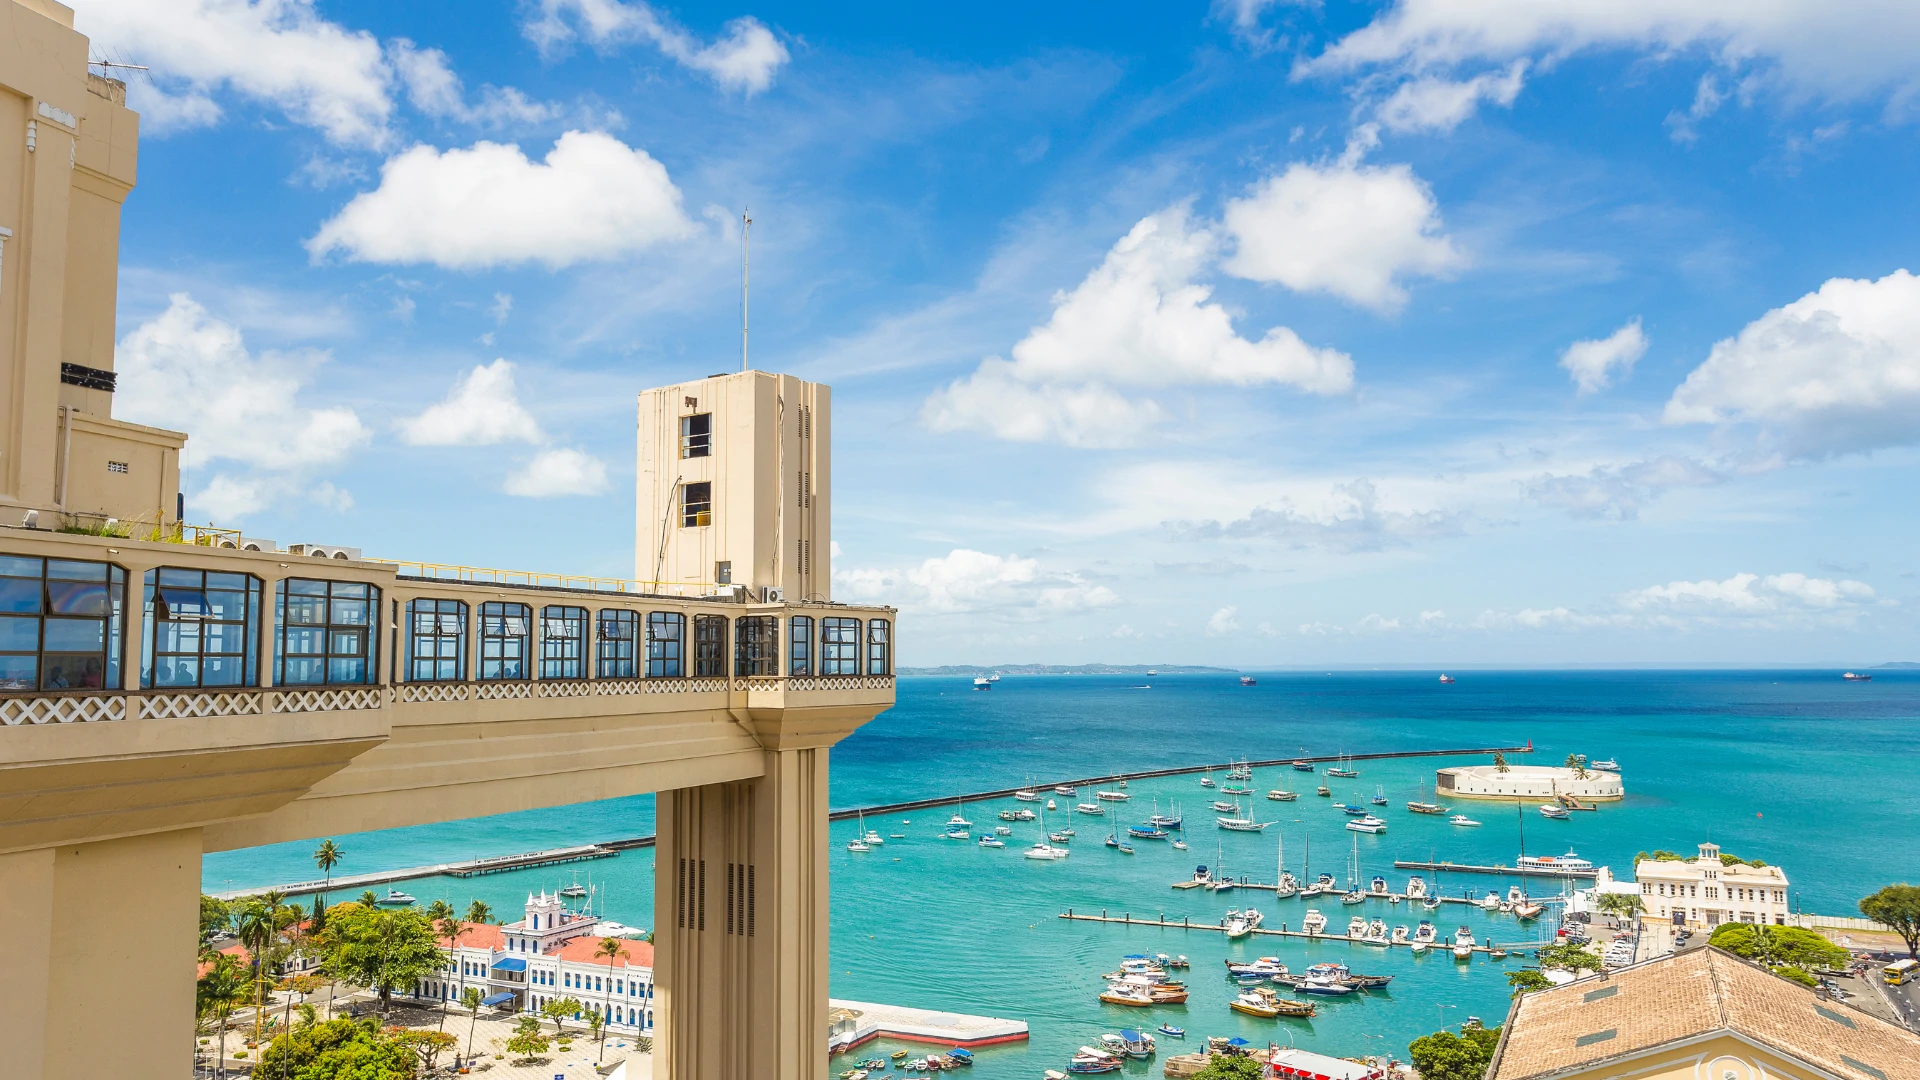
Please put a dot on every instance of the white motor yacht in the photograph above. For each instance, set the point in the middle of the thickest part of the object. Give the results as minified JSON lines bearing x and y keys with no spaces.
{"x":1357,"y":927}
{"x":1463,"y":944}
{"x":1416,"y":888}
{"x":1047,"y":851}
{"x":1463,"y":821}
{"x":1368,"y":824}
{"x":1425,"y":932}
{"x":1400,"y":934}
{"x":1091,"y":808}
{"x":1313,"y":922}
{"x":1569,"y":862}
{"x":1376,"y":932}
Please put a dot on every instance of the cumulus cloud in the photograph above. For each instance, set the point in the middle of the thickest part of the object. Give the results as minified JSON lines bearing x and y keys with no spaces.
{"x":280,"y":53}
{"x":593,"y":198}
{"x":1343,"y":228}
{"x":482,"y":409}
{"x":1592,"y":363}
{"x":746,"y":58}
{"x":1620,"y":492}
{"x":435,"y":90}
{"x":1707,"y":97}
{"x":972,"y":582}
{"x":1223,"y":622}
{"x":1834,"y":371}
{"x":1841,"y":50}
{"x":1139,"y":320}
{"x":558,"y":472}
{"x":1776,"y":599}
{"x":1435,"y":103}
{"x":187,"y":370}
{"x":1349,"y":518}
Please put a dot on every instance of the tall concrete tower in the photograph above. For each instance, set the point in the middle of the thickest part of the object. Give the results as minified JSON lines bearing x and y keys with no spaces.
{"x":734,"y":487}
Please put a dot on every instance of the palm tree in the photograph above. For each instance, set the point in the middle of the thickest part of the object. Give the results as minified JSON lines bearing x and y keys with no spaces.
{"x":479,"y":912}
{"x":613,"y":949}
{"x":259,"y":927}
{"x":451,"y":928}
{"x":1578,"y":766}
{"x":369,"y":900}
{"x":1499,"y":762}
{"x":326,"y":857}
{"x":216,"y":993}
{"x":470,"y":997}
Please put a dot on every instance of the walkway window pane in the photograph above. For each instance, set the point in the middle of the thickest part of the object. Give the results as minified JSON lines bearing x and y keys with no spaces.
{"x":756,"y":647}
{"x":666,"y":642}
{"x":839,"y":646}
{"x":879,"y":647}
{"x":710,"y":645}
{"x":563,"y":642}
{"x":800,"y":645}
{"x":436,"y":640}
{"x":60,"y":623}
{"x":506,"y":640}
{"x":202,"y":629}
{"x":323,"y":632}
{"x":619,"y":643}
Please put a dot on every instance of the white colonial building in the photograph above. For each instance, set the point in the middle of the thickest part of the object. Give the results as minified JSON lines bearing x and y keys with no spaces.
{"x":1705,"y":891}
{"x":1528,"y":782}
{"x":550,"y":954}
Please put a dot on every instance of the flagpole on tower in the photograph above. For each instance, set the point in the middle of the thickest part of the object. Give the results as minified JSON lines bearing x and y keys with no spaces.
{"x":746,"y":226}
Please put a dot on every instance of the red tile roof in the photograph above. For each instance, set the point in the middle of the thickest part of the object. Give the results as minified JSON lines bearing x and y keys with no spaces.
{"x":580,"y":950}
{"x":480,"y":936}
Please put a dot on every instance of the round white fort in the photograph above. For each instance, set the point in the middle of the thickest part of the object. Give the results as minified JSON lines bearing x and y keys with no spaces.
{"x":1526,"y":782}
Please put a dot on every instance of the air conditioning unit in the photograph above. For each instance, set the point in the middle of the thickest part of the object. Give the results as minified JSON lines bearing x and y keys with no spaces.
{"x":323,"y":551}
{"x":254,"y":543}
{"x":773,"y":595}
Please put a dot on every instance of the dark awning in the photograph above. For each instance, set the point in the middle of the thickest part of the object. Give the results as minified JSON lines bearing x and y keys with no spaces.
{"x":510,"y":963}
{"x":496,"y":999}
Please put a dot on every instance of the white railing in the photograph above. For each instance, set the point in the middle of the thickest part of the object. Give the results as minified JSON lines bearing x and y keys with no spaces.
{"x":26,"y":710}
{"x":768,"y":683}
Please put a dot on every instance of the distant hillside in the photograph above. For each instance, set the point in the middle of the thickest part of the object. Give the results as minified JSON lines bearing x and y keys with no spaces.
{"x":970,"y":670}
{"x":1898,"y":665}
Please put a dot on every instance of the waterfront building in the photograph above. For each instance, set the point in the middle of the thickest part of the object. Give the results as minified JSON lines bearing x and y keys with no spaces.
{"x":1543,"y":782}
{"x":551,"y":954}
{"x":1703,"y":1014}
{"x":167,"y":690}
{"x":1706,"y":890}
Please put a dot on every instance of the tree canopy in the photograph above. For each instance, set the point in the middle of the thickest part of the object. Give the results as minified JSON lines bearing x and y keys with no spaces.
{"x":1527,"y":980}
{"x":379,"y":948}
{"x":1785,"y":950}
{"x":1568,"y":956}
{"x":1235,"y":1067}
{"x":1446,"y":1056}
{"x":1897,"y":906}
{"x":339,"y":1050}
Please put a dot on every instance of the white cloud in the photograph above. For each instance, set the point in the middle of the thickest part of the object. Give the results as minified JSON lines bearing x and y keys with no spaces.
{"x":480,"y":410}
{"x":1223,"y":622}
{"x":969,"y":582}
{"x":501,"y":308}
{"x":278,"y":52}
{"x":592,"y":198}
{"x":558,"y":472}
{"x":1592,"y":363}
{"x":1836,"y":49}
{"x":186,"y":370}
{"x":434,"y":89}
{"x":1139,"y":320}
{"x":1620,"y":492}
{"x":1343,"y":228}
{"x":1836,"y":370}
{"x":1433,"y":103}
{"x":1348,"y":518}
{"x":1776,"y":599}
{"x":1707,"y":98}
{"x":746,"y":59}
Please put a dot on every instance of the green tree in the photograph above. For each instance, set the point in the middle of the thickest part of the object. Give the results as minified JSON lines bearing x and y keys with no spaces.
{"x":527,"y":1042}
{"x":1897,"y":907}
{"x":1527,"y":980}
{"x":1578,"y":766}
{"x":1500,"y":762}
{"x":1231,"y":1067}
{"x":428,"y":1045}
{"x":1785,"y":950}
{"x":612,"y":948}
{"x":217,"y":993}
{"x":479,"y":913}
{"x":470,"y":999}
{"x":1568,"y":957}
{"x":1623,"y":905}
{"x":215,"y":915}
{"x":260,"y":923}
{"x":1446,"y":1056}
{"x":558,"y":1009}
{"x":339,"y":1050}
{"x":381,"y":949}
{"x":369,"y":899}
{"x":449,"y":927}
{"x":327,"y":856}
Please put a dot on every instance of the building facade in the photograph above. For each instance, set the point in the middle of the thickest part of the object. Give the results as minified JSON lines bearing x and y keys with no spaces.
{"x":1706,"y":891}
{"x":1527,"y":782}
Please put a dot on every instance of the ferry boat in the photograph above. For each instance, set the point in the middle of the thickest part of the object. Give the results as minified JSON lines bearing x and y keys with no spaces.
{"x":1608,"y":765}
{"x":1463,"y":944}
{"x":1246,"y":680}
{"x":1047,"y":852}
{"x":1313,"y":922}
{"x":1368,"y":824}
{"x":395,"y":898}
{"x":1091,"y":808}
{"x":1567,"y":863}
{"x":1066,"y":789}
{"x":1279,"y":795}
{"x":981,"y":682}
{"x":1112,"y":796}
{"x":1241,"y":923}
{"x":1852,"y":677}
{"x":1555,"y":811}
{"x":1303,"y":766}
{"x":1445,"y":678}
{"x":1027,"y":795}
{"x":1463,"y":821}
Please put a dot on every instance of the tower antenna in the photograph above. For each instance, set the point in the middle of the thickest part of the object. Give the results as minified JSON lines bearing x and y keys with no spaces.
{"x":746,"y":227}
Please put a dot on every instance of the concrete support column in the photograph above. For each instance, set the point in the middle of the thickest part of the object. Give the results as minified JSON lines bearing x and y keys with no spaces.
{"x":79,"y":966}
{"x":740,"y":913}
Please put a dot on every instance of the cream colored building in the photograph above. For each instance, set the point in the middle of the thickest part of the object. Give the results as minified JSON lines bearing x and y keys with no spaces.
{"x":1702,"y":1014}
{"x":166,"y":692}
{"x":1704,"y":891}
{"x":1542,"y":782}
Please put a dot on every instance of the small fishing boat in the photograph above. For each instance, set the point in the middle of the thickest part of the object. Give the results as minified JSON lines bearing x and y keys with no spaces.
{"x":395,"y":898}
{"x":1164,"y":821}
{"x":1555,"y":811}
{"x":1137,"y":1044}
{"x":1323,"y":791}
{"x":992,"y":841}
{"x":1303,"y":766}
{"x":1174,"y":962}
{"x":899,"y":1056}
{"x":1091,"y":808}
{"x":1463,"y":821}
{"x":1172,"y":1032}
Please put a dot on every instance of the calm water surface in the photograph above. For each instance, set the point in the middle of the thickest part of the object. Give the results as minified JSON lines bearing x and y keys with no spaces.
{"x":1801,"y":769}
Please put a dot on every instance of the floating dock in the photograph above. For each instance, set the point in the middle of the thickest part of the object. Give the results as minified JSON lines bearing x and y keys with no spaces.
{"x":1509,"y":871}
{"x":1440,"y":945}
{"x":859,"y":1022}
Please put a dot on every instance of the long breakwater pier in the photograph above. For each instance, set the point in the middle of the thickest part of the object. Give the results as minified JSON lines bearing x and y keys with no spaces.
{"x":1184,"y":923}
{"x":497,"y":864}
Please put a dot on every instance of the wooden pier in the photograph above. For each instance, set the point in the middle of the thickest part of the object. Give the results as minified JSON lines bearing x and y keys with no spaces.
{"x":1469,"y":868}
{"x":1184,"y":923}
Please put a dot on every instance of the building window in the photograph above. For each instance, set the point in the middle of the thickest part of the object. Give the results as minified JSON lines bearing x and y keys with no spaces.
{"x":756,"y":645}
{"x":800,"y":645}
{"x":696,"y":505}
{"x":506,"y":632}
{"x":563,"y":642}
{"x":60,"y":623}
{"x":879,"y":647}
{"x":202,"y":629}
{"x":696,"y":435}
{"x":709,"y":646}
{"x":666,"y":642}
{"x":839,"y":646}
{"x":619,"y":641}
{"x":436,"y":640}
{"x":325,"y":632}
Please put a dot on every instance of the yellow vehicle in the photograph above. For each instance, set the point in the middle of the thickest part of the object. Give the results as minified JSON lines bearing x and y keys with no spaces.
{"x":1902,"y":971}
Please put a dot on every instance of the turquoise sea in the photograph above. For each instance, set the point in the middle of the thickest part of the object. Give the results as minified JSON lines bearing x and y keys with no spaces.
{"x":1816,"y":775}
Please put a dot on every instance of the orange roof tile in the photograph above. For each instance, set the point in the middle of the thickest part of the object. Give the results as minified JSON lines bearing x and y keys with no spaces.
{"x":580,"y":950}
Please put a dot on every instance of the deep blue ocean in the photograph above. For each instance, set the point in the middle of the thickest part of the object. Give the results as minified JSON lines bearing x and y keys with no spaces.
{"x":1801,"y":769}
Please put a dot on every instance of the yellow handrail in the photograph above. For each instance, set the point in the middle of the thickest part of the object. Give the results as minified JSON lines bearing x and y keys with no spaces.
{"x":491,"y":576}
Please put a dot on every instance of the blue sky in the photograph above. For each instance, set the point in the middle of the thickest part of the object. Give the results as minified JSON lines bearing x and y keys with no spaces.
{"x":1261,"y":333}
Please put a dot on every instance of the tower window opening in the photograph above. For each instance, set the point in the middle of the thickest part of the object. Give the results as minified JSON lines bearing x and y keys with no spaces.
{"x":696,"y":435}
{"x":696,"y":505}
